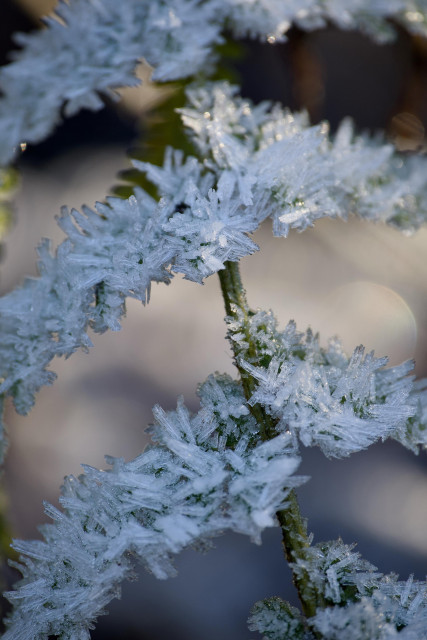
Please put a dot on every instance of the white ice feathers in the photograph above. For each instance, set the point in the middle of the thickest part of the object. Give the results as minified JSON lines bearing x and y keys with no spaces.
{"x":259,"y":162}
{"x":187,"y":488}
{"x":210,"y":471}
{"x":359,"y":602}
{"x":302,"y":173}
{"x":324,"y":398}
{"x":99,"y":43}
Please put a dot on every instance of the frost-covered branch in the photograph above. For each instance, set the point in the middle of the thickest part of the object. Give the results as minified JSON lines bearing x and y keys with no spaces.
{"x":380,"y":607}
{"x":231,"y":465}
{"x":210,"y":472}
{"x":323,"y":397}
{"x":307,"y":175}
{"x":101,"y":41}
{"x":296,"y":541}
{"x":259,"y":162}
{"x":207,"y":473}
{"x":319,"y":397}
{"x":91,"y":47}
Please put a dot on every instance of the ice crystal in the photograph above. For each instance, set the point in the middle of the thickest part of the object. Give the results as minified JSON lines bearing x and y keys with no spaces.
{"x":177,"y":175}
{"x":359,"y":602}
{"x":392,"y":610}
{"x":277,"y":620}
{"x":214,"y":470}
{"x":103,"y":41}
{"x":306,"y":175}
{"x":356,"y":621}
{"x":259,"y":162}
{"x":110,"y":253}
{"x":212,"y":229}
{"x":172,"y":495}
{"x":403,"y":603}
{"x":113,"y":252}
{"x":224,"y":400}
{"x":338,"y":403}
{"x":336,"y":570}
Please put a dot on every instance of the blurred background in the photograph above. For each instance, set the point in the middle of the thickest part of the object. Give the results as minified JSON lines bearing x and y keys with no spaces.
{"x":366,"y":283}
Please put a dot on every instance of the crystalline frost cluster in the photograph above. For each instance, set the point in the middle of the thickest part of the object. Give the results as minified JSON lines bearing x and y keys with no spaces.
{"x":214,"y":470}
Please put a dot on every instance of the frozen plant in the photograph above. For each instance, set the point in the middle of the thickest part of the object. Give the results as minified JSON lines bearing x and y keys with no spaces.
{"x":233,"y":464}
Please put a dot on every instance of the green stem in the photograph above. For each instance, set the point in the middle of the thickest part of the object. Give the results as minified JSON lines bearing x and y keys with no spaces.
{"x":296,"y":544}
{"x":296,"y":541}
{"x":235,"y":299}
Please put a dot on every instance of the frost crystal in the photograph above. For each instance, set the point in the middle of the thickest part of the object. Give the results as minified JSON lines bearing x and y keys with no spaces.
{"x":211,"y":230}
{"x":340,"y":404}
{"x":335,"y":570}
{"x":305,"y":175}
{"x":259,"y":161}
{"x":224,"y":400}
{"x":356,"y":621}
{"x":220,"y":468}
{"x":103,"y":41}
{"x":184,"y":489}
{"x":277,"y":620}
{"x":110,"y":253}
{"x":392,"y":610}
{"x":358,"y":602}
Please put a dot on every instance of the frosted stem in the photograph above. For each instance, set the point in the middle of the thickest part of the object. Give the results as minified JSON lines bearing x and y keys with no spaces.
{"x":294,"y":528}
{"x":235,"y":298}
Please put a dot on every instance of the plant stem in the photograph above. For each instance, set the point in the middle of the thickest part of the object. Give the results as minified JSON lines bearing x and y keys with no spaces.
{"x":235,"y":299}
{"x":296,"y":541}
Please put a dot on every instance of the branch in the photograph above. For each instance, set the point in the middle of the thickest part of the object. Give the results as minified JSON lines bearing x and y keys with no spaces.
{"x":296,"y":541}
